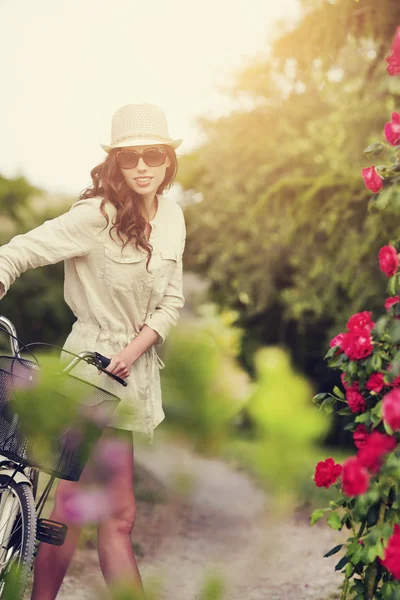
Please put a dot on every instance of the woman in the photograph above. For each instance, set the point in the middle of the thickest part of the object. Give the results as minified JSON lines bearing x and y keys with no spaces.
{"x":122,"y":243}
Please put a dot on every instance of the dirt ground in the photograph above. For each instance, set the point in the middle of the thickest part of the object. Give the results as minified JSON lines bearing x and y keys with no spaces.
{"x":198,"y":515}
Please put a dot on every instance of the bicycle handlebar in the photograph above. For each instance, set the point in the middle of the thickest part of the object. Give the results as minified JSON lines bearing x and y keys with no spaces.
{"x":92,"y":358}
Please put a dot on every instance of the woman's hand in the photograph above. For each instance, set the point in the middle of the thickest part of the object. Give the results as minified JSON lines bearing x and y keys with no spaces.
{"x":121,"y":363}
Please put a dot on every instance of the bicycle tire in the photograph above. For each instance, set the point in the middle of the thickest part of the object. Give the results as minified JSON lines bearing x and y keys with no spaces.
{"x":18,"y":548}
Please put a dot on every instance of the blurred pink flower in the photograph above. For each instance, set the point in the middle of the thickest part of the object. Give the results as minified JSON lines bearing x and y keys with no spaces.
{"x":372,"y":180}
{"x":82,"y":506}
{"x":393,"y":59}
{"x":112,"y":453}
{"x":392,"y":129}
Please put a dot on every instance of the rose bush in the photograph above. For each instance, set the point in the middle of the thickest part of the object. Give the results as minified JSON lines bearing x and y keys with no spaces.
{"x":368,"y":356}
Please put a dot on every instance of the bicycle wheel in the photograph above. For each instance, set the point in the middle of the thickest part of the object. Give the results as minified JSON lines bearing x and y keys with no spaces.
{"x":17,"y":537}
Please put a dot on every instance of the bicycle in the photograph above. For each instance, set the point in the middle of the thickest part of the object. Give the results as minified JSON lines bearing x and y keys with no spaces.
{"x":21,"y":527}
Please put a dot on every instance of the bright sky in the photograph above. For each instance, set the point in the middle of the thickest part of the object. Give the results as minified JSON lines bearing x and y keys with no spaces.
{"x":67,"y":66}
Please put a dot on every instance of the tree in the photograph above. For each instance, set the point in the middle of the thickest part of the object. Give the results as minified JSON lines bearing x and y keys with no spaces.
{"x":283,"y":232}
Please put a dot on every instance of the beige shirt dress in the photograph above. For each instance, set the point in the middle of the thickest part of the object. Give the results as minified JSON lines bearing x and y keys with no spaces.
{"x":111,"y":294}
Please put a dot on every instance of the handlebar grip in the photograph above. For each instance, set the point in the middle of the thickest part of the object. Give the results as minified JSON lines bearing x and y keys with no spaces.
{"x":103,"y":359}
{"x":104,"y":363}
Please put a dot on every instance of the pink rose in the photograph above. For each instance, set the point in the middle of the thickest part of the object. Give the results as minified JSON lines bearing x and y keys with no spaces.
{"x":337,"y":341}
{"x":391,"y":409}
{"x":389,"y":302}
{"x":357,"y":343}
{"x":375,"y":382}
{"x":326,"y":473}
{"x":355,"y":477}
{"x":371,"y":179}
{"x":388,"y":260}
{"x":372,"y":452}
{"x":360,"y":436}
{"x":393,"y":59}
{"x":392,"y":130}
{"x":391,"y":560}
{"x":355,"y":399}
{"x":361,"y":320}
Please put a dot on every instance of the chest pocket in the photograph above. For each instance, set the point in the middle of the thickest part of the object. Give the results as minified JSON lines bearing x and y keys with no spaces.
{"x":124,"y":271}
{"x":167,"y":264}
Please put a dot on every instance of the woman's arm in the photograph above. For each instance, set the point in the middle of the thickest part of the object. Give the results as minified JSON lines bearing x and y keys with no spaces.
{"x":70,"y":234}
{"x":166,"y":314}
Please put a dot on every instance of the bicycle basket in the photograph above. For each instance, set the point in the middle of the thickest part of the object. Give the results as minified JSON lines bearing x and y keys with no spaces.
{"x":71,"y":443}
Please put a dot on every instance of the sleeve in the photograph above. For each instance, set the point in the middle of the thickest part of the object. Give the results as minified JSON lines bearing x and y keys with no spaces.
{"x":70,"y":234}
{"x":166,"y":314}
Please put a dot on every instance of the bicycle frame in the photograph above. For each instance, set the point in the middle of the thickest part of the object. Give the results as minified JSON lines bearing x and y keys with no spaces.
{"x":27,"y":474}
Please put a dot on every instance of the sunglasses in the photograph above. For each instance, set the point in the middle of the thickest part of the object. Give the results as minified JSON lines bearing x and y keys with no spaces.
{"x":153,"y":157}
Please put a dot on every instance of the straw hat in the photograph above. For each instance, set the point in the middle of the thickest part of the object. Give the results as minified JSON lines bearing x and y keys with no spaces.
{"x":139,"y":125}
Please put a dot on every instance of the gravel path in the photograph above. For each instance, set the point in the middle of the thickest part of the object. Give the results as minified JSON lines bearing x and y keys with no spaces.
{"x":222,"y":521}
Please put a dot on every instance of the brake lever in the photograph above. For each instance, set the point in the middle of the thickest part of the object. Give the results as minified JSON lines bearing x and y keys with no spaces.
{"x":101,"y":363}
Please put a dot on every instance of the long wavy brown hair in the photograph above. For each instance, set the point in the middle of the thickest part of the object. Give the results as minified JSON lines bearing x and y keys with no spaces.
{"x":129,"y":222}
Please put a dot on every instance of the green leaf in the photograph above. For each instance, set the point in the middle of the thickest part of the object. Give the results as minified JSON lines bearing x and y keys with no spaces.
{"x":331,"y":352}
{"x":370,"y":553}
{"x":349,"y":570}
{"x":383,"y":198}
{"x":319,"y":397}
{"x":388,"y":429}
{"x":357,"y":554}
{"x":334,"y":521}
{"x":363,"y":418}
{"x":342,"y":563}
{"x":358,"y":586}
{"x":349,"y":427}
{"x":327,"y":405}
{"x":338,"y":392}
{"x":353,"y":367}
{"x":394,"y":331}
{"x":374,"y":149}
{"x":391,"y":286}
{"x":373,"y":515}
{"x":333,"y":551}
{"x":317,"y":514}
{"x":345,"y":411}
{"x":376,"y":361}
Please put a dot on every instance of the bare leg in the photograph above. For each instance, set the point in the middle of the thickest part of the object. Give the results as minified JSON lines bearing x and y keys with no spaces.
{"x":117,"y":559}
{"x":52,"y":562}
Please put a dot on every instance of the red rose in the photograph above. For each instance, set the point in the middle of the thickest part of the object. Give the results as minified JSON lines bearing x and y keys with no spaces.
{"x":360,"y":320}
{"x":391,"y":409}
{"x":355,"y":478}
{"x":327,"y":472}
{"x":357,"y":343}
{"x":337,"y":341}
{"x":391,"y":560}
{"x":391,"y":301}
{"x":392,"y":130}
{"x":388,"y":260}
{"x":371,"y":179}
{"x":355,"y":399}
{"x":360,"y":436}
{"x":393,"y":59}
{"x":375,"y":382}
{"x":372,"y":452}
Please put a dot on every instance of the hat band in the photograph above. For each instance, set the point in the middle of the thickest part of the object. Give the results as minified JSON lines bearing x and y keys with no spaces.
{"x":141,"y":135}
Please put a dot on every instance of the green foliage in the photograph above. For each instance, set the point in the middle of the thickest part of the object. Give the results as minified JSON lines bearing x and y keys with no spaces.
{"x":284,"y":233}
{"x":203,"y":387}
